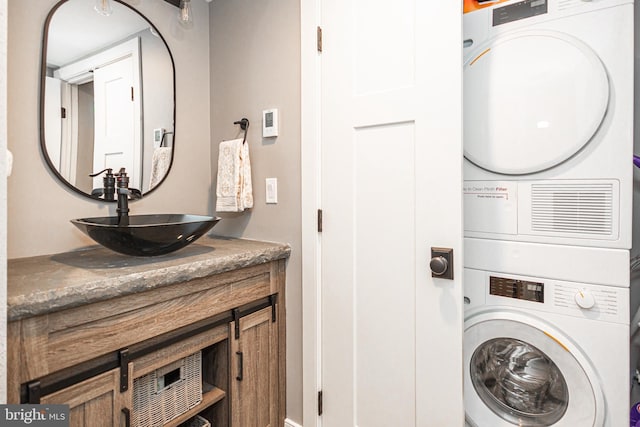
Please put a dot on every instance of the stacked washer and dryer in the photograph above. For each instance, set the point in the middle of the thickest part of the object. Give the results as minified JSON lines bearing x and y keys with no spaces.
{"x":548,"y":115}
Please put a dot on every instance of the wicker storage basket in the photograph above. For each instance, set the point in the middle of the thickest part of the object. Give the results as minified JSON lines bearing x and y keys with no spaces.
{"x":167,"y":392}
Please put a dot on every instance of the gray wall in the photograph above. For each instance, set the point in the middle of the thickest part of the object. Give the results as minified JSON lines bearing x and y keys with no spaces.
{"x":39,"y":206}
{"x":255,"y":65}
{"x":156,"y":75}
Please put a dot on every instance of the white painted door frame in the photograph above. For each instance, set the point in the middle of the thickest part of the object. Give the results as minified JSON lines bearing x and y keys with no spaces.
{"x":310,"y":198}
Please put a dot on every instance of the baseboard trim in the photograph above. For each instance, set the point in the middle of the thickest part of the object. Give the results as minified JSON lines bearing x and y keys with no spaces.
{"x":289,"y":423}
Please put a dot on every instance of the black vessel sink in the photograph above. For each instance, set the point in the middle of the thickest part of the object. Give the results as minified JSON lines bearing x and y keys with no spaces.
{"x":146,"y":235}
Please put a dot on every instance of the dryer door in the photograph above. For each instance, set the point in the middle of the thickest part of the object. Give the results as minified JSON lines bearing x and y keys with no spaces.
{"x":532,"y":99}
{"x":519,"y":372}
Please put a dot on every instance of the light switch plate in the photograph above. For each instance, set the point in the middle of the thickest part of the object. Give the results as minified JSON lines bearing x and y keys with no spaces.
{"x":157,"y":137}
{"x":272,"y":190}
{"x":270,"y":123}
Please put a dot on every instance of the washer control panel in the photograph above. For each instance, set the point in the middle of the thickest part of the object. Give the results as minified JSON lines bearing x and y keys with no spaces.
{"x":517,"y":289}
{"x":584,"y":300}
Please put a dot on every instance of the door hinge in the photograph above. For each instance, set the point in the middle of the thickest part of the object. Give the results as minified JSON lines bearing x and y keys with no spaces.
{"x":319,"y":38}
{"x":63,"y":112}
{"x":320,"y":403}
{"x":319,"y":220}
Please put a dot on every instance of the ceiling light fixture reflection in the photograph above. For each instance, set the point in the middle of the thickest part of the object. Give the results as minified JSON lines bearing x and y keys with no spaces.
{"x":185,"y":16}
{"x":103,"y":7}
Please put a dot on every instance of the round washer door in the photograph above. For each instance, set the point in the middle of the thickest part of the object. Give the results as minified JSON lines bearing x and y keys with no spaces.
{"x":532,"y":99}
{"x":519,"y":371}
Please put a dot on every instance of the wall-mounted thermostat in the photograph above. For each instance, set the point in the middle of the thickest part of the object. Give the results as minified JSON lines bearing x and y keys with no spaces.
{"x":270,"y":123}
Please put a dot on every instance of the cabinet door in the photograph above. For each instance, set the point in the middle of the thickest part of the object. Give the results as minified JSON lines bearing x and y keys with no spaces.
{"x":96,"y":402}
{"x":254,"y":372}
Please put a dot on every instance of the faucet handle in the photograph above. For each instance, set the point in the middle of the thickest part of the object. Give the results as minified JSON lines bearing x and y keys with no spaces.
{"x":108,"y":185}
{"x":109,"y":172}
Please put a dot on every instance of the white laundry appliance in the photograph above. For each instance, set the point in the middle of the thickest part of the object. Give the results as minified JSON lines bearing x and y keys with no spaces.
{"x":541,"y":352}
{"x":548,"y":119}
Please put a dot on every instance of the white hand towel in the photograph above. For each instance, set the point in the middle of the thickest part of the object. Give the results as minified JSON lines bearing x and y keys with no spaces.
{"x":160,"y":163}
{"x":234,"y":191}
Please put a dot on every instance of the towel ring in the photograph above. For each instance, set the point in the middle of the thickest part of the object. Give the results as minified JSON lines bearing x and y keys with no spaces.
{"x":244,"y":125}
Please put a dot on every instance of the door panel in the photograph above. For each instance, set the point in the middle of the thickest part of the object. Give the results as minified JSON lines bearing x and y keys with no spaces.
{"x":96,"y":402}
{"x":117,"y":146}
{"x":384,"y":284}
{"x":383,"y":34}
{"x":254,"y":371}
{"x":391,"y":183}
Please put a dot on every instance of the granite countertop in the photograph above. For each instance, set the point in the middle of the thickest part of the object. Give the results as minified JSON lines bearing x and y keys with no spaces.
{"x":45,"y":284}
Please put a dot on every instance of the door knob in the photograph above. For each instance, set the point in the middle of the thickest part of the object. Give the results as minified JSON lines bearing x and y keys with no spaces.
{"x":441,"y":263}
{"x":438,"y":265}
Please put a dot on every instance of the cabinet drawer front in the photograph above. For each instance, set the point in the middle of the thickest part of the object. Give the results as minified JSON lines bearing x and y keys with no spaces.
{"x":71,"y":346}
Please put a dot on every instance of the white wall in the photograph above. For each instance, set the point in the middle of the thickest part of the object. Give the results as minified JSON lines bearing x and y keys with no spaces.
{"x":3,"y":201}
{"x":255,"y":65}
{"x":40,"y":207}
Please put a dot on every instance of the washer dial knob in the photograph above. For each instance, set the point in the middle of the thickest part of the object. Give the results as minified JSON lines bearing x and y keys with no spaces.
{"x":585,"y":299}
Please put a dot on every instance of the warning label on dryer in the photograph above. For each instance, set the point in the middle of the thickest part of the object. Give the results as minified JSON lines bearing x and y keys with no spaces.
{"x":491,"y":206}
{"x":487,"y":190}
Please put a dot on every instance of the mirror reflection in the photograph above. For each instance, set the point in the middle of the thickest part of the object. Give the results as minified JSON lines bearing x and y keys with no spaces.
{"x":107,"y":96}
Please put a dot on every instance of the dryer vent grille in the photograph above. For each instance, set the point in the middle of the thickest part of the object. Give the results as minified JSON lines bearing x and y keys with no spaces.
{"x":572,"y":208}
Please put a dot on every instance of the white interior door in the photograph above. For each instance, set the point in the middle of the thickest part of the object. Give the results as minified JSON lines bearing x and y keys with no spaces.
{"x":117,"y":121}
{"x":391,"y":177}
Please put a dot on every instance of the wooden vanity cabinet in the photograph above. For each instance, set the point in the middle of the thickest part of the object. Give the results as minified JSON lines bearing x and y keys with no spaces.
{"x":234,"y":318}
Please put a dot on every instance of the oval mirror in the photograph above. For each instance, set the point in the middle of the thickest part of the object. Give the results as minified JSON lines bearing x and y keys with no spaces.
{"x":107,"y":97}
